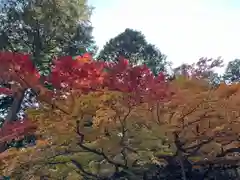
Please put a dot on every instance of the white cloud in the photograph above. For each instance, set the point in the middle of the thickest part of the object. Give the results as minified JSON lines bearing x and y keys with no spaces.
{"x":184,"y":30}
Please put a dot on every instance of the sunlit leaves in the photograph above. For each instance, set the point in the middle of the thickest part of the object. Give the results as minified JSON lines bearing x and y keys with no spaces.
{"x":68,"y":73}
{"x":17,"y":68}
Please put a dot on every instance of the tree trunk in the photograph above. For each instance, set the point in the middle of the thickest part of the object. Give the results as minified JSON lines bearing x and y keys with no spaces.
{"x":16,"y":105}
{"x":37,"y":44}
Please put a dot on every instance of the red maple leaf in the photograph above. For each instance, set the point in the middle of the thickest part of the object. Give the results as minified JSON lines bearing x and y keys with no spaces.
{"x":5,"y":91}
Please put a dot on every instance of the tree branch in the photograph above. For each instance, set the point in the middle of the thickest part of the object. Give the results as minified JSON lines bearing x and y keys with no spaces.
{"x":100,"y":153}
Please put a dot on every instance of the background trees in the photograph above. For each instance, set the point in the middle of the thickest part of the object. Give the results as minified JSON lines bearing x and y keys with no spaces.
{"x":132,"y":45}
{"x":203,"y":69}
{"x":46,"y":29}
{"x":232,"y":71}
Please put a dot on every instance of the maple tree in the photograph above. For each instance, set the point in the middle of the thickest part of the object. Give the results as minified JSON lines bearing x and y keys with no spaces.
{"x":112,"y":119}
{"x":202,"y":123}
{"x":78,"y":85}
{"x":19,"y":70}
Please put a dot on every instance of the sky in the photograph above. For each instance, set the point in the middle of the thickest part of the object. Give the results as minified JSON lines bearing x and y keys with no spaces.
{"x":184,"y":30}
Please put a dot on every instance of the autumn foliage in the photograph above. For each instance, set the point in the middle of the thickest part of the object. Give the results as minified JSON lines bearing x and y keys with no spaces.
{"x":103,"y":119}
